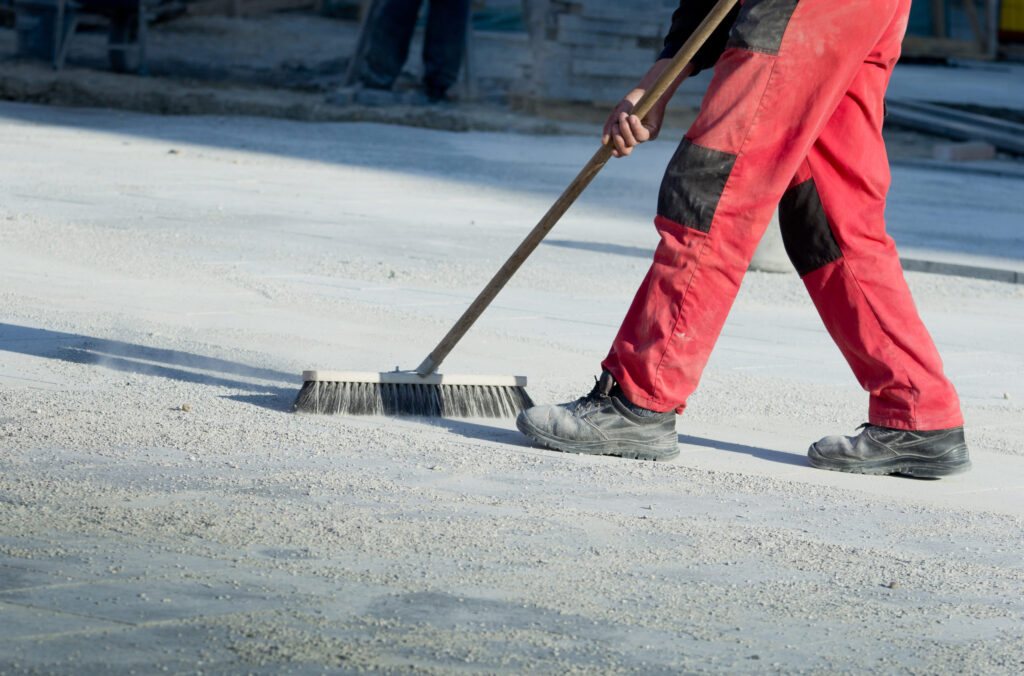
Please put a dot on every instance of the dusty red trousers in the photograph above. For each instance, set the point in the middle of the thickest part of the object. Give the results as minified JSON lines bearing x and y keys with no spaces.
{"x":792,"y":117}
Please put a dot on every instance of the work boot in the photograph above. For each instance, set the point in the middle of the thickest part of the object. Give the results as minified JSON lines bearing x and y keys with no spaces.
{"x":884,"y":450}
{"x":603,"y":423}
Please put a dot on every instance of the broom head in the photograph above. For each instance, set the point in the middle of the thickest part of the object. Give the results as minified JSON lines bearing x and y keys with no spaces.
{"x":408,"y":393}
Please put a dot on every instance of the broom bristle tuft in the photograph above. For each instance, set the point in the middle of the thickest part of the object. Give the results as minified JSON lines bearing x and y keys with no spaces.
{"x":412,"y":399}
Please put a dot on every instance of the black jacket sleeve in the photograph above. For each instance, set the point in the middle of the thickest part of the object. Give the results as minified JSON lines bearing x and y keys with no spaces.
{"x":685,"y":20}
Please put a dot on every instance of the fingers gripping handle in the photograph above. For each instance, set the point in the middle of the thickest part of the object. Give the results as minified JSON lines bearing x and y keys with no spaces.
{"x":569,"y":195}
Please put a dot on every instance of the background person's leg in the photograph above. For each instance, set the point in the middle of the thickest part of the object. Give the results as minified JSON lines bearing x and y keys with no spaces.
{"x":444,"y":44}
{"x":785,"y":70}
{"x":387,"y":43}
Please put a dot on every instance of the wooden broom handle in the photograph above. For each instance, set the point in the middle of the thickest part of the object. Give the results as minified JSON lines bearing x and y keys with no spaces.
{"x":569,"y":195}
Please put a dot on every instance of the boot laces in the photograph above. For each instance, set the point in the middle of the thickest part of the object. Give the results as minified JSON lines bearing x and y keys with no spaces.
{"x":594,"y":399}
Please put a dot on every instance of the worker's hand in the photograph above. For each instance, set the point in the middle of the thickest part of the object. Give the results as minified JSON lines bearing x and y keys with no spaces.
{"x":625,"y":131}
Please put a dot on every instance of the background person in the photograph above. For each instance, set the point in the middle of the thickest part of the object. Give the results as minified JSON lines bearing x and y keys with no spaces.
{"x":389,"y":33}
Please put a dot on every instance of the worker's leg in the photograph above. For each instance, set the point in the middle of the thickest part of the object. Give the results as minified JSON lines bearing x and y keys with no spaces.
{"x":444,"y":44}
{"x":833,"y":226}
{"x":786,"y":69}
{"x":387,"y":43}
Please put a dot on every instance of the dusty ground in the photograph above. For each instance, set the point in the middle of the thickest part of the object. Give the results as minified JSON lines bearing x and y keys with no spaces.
{"x":153,"y":265}
{"x":166,"y":279}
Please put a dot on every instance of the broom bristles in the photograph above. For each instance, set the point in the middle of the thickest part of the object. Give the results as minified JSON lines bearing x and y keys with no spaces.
{"x":408,"y":394}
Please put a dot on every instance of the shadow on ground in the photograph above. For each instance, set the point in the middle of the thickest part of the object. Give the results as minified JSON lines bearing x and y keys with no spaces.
{"x":485,"y":432}
{"x":339,"y":143}
{"x":178,"y":365}
{"x":755,"y":451}
{"x":482,"y":431}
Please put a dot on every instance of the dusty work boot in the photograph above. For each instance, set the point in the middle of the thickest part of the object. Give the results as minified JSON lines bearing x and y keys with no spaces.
{"x":603,"y":423}
{"x":884,"y":450}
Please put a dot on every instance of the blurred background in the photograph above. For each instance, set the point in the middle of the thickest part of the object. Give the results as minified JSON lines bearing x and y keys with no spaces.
{"x":520,"y":52}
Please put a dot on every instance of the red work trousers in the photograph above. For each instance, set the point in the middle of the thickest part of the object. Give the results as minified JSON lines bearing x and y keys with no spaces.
{"x":792,"y":118}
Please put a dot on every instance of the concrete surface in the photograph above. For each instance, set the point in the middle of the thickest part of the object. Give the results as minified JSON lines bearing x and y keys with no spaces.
{"x":167,"y":278}
{"x":156,"y":262}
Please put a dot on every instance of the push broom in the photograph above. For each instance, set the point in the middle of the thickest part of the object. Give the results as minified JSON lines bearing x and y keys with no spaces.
{"x":424,"y":392}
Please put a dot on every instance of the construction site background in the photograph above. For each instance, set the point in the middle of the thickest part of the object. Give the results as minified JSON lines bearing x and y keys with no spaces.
{"x":526,"y":53}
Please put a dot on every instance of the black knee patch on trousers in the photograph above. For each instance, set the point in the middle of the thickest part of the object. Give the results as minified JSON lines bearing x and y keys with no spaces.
{"x":693,"y":185}
{"x":761,"y":25}
{"x":806,"y":233}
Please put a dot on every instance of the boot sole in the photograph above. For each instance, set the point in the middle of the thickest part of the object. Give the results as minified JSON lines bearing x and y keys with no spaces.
{"x":623,"y":448}
{"x":955,"y":461}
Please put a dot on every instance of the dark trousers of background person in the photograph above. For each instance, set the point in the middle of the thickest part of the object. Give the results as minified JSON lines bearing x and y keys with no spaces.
{"x":392,"y":23}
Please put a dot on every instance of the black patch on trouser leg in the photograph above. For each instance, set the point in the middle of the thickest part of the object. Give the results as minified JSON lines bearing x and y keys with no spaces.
{"x":693,"y":185}
{"x":761,"y":24}
{"x":806,"y":233}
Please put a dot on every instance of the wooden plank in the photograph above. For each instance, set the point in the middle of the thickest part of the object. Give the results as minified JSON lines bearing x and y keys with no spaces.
{"x":258,"y":7}
{"x":208,"y":7}
{"x":244,"y":8}
{"x":987,"y":121}
{"x":942,"y":48}
{"x":600,"y":27}
{"x":972,"y":18}
{"x":630,"y":68}
{"x":1004,"y":135}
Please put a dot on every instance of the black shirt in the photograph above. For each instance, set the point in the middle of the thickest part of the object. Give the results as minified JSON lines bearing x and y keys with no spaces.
{"x":685,"y":20}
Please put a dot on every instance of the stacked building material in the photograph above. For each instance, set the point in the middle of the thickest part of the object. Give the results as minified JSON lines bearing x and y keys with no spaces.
{"x":591,"y":51}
